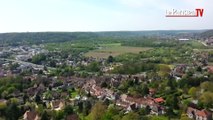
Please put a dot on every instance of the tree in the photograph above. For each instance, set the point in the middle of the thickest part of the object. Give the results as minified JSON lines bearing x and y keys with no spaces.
{"x":68,"y":110}
{"x":14,"y":100}
{"x":80,"y":106}
{"x":175,"y":102}
{"x":93,"y":67}
{"x":172,"y":102}
{"x":110,"y":113}
{"x":68,"y":71}
{"x":147,"y":109}
{"x":170,"y":112}
{"x":37,"y":59}
{"x":13,"y":112}
{"x":98,"y":111}
{"x":204,"y":85}
{"x":159,"y":118}
{"x":40,"y":109}
{"x":192,"y":92}
{"x":164,"y":70}
{"x":37,"y":99}
{"x":170,"y":83}
{"x":207,"y":99}
{"x":40,"y":72}
{"x":184,"y":117}
{"x":131,"y":116}
{"x":145,"y":90}
{"x":143,"y":111}
{"x":45,"y":116}
{"x":25,"y":98}
{"x":52,"y":63}
{"x":86,"y":107}
{"x":104,"y":84}
{"x":3,"y":107}
{"x":199,"y":69}
{"x":4,"y":94}
{"x":59,"y":115}
{"x":110,"y":59}
{"x":14,"y":66}
{"x":207,"y":86}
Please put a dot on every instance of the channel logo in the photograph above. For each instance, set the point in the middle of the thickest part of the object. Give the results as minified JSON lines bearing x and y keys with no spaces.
{"x":185,"y":13}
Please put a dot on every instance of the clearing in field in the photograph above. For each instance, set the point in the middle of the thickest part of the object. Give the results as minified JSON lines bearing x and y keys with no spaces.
{"x":115,"y":49}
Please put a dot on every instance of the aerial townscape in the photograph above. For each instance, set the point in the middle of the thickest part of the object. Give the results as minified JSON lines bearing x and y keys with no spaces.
{"x":125,"y":75}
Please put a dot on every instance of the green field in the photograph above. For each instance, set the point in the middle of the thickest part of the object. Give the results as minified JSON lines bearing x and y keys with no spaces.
{"x":206,"y":50}
{"x":195,"y":44}
{"x":115,"y":49}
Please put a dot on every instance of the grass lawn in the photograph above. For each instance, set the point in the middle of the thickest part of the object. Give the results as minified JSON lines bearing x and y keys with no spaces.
{"x":206,"y":50}
{"x":115,"y":49}
{"x":195,"y":44}
{"x":74,"y":94}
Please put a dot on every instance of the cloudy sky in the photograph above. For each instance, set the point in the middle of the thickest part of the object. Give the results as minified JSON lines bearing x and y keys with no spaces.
{"x":100,"y":15}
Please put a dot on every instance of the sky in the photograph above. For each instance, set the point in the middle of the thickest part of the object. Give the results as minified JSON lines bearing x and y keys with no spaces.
{"x":100,"y":15}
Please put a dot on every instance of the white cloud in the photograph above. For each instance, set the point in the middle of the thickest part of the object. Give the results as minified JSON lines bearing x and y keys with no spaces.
{"x":134,"y":3}
{"x":157,"y":4}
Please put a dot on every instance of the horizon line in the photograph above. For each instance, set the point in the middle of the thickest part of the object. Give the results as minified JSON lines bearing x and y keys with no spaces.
{"x":108,"y":31}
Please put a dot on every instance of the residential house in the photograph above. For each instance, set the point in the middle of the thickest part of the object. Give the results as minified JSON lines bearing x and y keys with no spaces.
{"x":209,"y":41}
{"x":101,"y":93}
{"x":179,"y":70}
{"x":109,"y":94}
{"x":196,"y":114}
{"x":114,"y":83}
{"x":64,"y":95}
{"x":159,"y":100}
{"x":96,"y":91}
{"x":31,"y":115}
{"x":31,"y":91}
{"x":157,"y":110}
{"x":126,"y":101}
{"x":122,"y":104}
{"x":30,"y":78}
{"x":57,"y":104}
{"x":41,"y":88}
{"x":210,"y":69}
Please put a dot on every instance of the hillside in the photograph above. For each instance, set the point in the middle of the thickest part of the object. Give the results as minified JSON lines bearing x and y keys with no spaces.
{"x":207,"y":34}
{"x":42,"y":37}
{"x":49,"y":37}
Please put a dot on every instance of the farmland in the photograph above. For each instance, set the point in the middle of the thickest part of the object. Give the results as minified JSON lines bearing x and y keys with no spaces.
{"x":114,"y":49}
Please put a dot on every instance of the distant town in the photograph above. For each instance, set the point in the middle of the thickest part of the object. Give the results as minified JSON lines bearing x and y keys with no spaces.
{"x":144,"y":75}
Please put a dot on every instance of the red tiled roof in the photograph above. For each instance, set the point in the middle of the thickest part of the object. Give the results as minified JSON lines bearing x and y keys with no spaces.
{"x":159,"y":100}
{"x":210,"y":69}
{"x":203,"y":113}
{"x":144,"y":101}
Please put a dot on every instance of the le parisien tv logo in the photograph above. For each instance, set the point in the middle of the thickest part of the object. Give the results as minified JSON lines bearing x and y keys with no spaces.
{"x":185,"y":13}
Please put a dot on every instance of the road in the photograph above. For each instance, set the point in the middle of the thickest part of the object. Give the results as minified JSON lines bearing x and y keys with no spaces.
{"x":26,"y":63}
{"x":203,"y":43}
